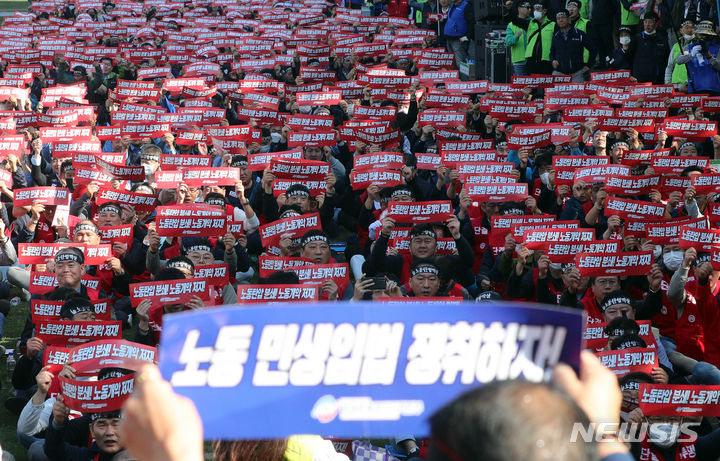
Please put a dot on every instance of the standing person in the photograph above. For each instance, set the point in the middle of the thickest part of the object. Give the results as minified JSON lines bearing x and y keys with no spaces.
{"x":676,"y":70}
{"x":603,"y":13}
{"x":702,"y":61}
{"x":628,"y":17}
{"x":649,"y":50}
{"x":581,"y":23}
{"x":621,"y":57}
{"x":516,"y":38}
{"x":567,"y":49}
{"x":459,"y":31}
{"x":539,"y":39}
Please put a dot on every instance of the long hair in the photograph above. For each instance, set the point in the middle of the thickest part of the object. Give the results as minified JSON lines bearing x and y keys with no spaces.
{"x":249,"y":450}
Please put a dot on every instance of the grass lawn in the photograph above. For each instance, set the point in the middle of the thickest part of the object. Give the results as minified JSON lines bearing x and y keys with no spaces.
{"x":13,"y":5}
{"x":8,"y":422}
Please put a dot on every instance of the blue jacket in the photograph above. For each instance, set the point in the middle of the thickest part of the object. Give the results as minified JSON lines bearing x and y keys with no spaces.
{"x":704,"y":77}
{"x":456,"y":25}
{"x":568,"y":48}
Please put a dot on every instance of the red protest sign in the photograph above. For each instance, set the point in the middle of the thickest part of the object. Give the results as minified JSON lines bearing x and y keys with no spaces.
{"x":96,"y":396}
{"x":622,"y":362}
{"x":269,"y":264}
{"x":419,"y":212}
{"x":258,"y":162}
{"x":428,"y":161}
{"x":89,"y":358}
{"x":444,"y":246}
{"x":690,"y":129}
{"x":641,"y":157}
{"x":668,"y":233}
{"x":594,"y":174}
{"x":85,"y":175}
{"x":45,"y":282}
{"x":45,"y":311}
{"x":440,"y":118}
{"x":322,"y":98}
{"x":295,"y":226}
{"x":713,"y":212}
{"x":378,"y":160}
{"x":633,"y":209}
{"x":497,"y":192}
{"x":69,"y":333}
{"x":517,"y":230}
{"x":126,"y":173}
{"x":672,"y":184}
{"x":196,"y":220}
{"x":631,"y":185}
{"x":45,"y":195}
{"x":706,"y":183}
{"x":315,"y":138}
{"x":216,"y":274}
{"x":620,"y":264}
{"x":473,"y":145}
{"x":122,"y":234}
{"x":275,"y":294}
{"x":484,"y":168}
{"x":198,"y":177}
{"x":362,"y":179}
{"x":677,"y":400}
{"x":40,"y":253}
{"x":700,"y":239}
{"x":169,"y":291}
{"x":583,"y":113}
{"x":563,"y":253}
{"x":314,"y":170}
{"x":280,"y":186}
{"x":177,"y":162}
{"x":540,"y":239}
{"x":140,"y":202}
{"x":310,"y":122}
{"x":168,"y":179}
{"x":565,"y":166}
{"x":97,"y":255}
{"x":318,"y":273}
{"x":641,"y":125}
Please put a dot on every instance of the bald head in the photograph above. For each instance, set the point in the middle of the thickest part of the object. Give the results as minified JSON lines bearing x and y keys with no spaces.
{"x":507,"y":421}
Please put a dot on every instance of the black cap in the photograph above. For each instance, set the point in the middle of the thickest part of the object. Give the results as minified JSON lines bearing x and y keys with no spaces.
{"x":75,"y":306}
{"x":314,"y":235}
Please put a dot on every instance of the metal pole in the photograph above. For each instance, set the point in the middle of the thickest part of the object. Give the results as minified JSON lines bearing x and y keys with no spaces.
{"x":437,"y":8}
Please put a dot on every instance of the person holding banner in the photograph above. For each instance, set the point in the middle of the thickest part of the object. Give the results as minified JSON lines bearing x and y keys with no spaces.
{"x":150,"y":312}
{"x":423,"y":244}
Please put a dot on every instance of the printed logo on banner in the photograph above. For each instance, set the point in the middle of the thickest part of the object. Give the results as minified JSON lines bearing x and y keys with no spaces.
{"x":399,"y":362}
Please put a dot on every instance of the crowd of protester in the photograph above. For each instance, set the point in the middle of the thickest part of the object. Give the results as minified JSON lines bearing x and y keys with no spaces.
{"x":234,"y":152}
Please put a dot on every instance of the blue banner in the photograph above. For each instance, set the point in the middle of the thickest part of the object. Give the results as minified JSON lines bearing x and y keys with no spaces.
{"x":353,"y":369}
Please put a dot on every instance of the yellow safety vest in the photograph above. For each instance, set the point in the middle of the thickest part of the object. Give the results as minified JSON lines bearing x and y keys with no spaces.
{"x":545,"y":36}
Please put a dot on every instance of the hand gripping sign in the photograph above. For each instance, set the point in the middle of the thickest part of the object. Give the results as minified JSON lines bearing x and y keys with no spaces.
{"x":632,"y":360}
{"x":356,"y":370}
{"x":420,"y":212}
{"x":170,"y":291}
{"x":105,"y":395}
{"x":620,"y":264}
{"x":197,"y":220}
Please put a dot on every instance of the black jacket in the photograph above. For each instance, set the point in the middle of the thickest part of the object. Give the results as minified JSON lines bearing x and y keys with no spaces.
{"x":568,"y":48}
{"x":650,"y":54}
